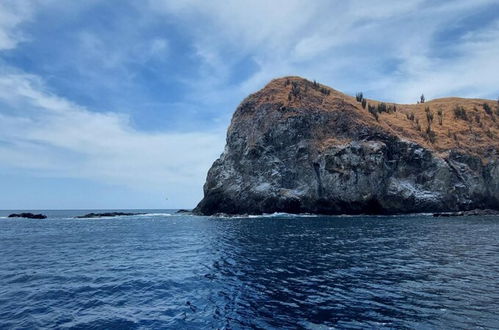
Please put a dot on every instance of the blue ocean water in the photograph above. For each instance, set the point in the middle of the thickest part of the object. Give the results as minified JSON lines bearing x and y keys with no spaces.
{"x":162,"y":270}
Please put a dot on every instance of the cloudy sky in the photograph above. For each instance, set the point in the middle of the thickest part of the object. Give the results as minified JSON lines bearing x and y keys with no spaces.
{"x":124,"y":104}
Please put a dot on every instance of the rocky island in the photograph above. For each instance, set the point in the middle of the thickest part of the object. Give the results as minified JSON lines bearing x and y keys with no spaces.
{"x":106,"y":215}
{"x":28,"y":215}
{"x":297,"y":146}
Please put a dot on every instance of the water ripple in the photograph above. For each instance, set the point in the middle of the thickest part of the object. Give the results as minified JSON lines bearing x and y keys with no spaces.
{"x":278,"y":271}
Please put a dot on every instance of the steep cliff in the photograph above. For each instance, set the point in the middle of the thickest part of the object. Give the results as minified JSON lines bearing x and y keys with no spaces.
{"x":300,"y":147}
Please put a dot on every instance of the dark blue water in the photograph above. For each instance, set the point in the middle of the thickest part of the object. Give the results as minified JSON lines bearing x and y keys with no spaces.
{"x":161,"y":271}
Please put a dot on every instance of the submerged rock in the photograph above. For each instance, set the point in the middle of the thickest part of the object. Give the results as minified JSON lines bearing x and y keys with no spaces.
{"x":300,"y":147}
{"x":183,"y":211}
{"x":106,"y":214}
{"x":27,"y":215}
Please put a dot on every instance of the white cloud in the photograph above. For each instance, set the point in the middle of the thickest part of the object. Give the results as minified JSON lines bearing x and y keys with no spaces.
{"x":52,"y":136}
{"x":12,"y":13}
{"x":95,"y":50}
{"x":344,"y":44}
{"x":387,"y":48}
{"x":472,"y":70}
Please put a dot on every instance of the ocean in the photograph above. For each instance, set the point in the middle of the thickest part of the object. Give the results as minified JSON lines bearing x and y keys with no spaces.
{"x":162,"y":270}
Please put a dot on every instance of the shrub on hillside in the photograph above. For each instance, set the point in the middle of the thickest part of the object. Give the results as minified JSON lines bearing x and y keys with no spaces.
{"x":410,"y":116}
{"x":325,"y":91}
{"x":372,"y":111}
{"x":430,"y":135}
{"x":295,"y":89}
{"x":382,"y":107}
{"x":429,"y":115}
{"x":440,"y":115}
{"x":359,"y":97}
{"x":460,"y":113}
{"x":487,"y":109}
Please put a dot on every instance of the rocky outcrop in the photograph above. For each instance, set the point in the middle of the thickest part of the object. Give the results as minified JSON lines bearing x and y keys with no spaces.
{"x":106,"y":215}
{"x":27,"y":216}
{"x":319,"y":151}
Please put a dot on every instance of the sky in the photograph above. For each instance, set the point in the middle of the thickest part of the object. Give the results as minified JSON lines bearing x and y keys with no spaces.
{"x":125,"y":104}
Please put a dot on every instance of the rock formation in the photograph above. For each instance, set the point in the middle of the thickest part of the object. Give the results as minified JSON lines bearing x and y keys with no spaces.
{"x":27,"y":215}
{"x":300,"y":147}
{"x":106,"y":214}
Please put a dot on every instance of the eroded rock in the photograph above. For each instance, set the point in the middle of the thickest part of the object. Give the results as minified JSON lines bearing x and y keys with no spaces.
{"x":328,"y":155}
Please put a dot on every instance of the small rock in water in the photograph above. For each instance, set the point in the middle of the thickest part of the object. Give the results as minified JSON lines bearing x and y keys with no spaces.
{"x":27,"y":215}
{"x":106,"y":214}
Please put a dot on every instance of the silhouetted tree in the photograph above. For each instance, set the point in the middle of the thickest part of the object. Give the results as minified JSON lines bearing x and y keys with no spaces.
{"x":359,"y":97}
{"x":422,"y":98}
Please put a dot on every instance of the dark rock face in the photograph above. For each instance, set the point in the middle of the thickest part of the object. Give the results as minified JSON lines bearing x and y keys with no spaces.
{"x":27,"y":215}
{"x":274,"y":162}
{"x":106,"y":214}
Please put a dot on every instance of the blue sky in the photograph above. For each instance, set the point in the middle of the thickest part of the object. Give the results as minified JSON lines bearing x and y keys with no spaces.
{"x":125,"y":104}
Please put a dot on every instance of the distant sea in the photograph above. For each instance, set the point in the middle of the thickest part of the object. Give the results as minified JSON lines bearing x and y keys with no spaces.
{"x":162,"y":270}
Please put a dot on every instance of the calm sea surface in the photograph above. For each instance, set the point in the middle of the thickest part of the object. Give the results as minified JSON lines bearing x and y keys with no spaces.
{"x":171,"y":271}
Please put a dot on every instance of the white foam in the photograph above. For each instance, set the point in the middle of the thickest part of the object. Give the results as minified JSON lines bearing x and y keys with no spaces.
{"x":155,"y":215}
{"x":268,"y":215}
{"x":284,"y":214}
{"x":309,"y":215}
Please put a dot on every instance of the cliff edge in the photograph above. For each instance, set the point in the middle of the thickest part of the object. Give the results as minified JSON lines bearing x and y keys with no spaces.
{"x":301,"y":147}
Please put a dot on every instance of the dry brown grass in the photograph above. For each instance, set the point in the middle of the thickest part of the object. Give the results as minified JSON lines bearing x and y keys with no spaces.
{"x":478,"y":135}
